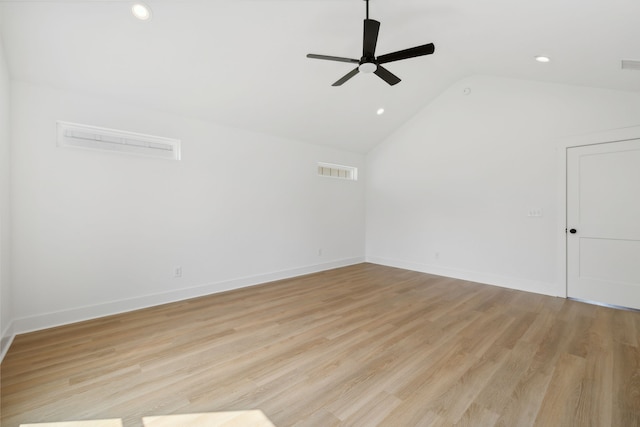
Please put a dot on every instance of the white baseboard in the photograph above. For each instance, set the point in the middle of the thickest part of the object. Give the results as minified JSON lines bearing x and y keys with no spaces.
{"x":6,"y":339}
{"x":49,"y":320}
{"x":533,"y":286}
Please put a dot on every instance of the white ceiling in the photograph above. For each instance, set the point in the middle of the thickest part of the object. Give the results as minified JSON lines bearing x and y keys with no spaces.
{"x":243,"y":63}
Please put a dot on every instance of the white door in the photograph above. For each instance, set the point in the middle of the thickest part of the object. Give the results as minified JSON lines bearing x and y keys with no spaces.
{"x":603,"y":223}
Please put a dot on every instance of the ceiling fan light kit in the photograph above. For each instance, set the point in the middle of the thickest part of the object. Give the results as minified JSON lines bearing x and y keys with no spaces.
{"x":369,"y":63}
{"x":367,"y":67}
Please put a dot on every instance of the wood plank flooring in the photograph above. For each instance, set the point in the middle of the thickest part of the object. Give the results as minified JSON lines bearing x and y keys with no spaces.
{"x":364,"y":345}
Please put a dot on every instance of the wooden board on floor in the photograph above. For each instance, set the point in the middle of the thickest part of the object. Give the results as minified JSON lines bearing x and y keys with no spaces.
{"x":213,"y":419}
{"x":91,"y":423}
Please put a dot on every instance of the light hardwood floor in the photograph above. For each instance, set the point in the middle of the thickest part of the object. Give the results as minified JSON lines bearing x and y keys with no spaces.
{"x":364,"y":345}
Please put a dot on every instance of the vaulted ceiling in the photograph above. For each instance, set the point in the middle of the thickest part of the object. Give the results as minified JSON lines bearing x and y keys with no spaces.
{"x":243,"y":62}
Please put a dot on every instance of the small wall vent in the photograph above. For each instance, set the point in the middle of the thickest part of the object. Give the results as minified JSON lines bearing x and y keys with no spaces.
{"x":96,"y":138}
{"x":629,"y":64}
{"x":338,"y":171}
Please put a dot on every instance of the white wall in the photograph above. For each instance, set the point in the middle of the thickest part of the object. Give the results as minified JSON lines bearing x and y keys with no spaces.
{"x":449,"y":193}
{"x":6,"y":315}
{"x":96,"y":233}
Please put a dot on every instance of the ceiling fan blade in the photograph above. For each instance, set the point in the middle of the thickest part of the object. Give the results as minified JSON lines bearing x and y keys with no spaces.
{"x":333,"y":58}
{"x":426,"y":49}
{"x":387,"y":75}
{"x":371,"y":30}
{"x":347,"y":77}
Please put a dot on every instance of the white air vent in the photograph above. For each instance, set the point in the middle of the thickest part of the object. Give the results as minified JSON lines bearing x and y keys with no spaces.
{"x":95,"y":138}
{"x":338,"y":171}
{"x":628,"y":64}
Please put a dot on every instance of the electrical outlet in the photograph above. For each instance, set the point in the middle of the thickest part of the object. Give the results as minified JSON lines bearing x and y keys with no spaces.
{"x":177,"y":271}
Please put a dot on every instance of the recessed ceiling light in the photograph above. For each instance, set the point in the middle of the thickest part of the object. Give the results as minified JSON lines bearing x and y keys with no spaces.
{"x":542,"y":59}
{"x":380,"y":111}
{"x":141,"y":11}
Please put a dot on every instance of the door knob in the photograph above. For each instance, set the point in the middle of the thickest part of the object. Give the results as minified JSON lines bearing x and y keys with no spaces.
{"x":573,"y":231}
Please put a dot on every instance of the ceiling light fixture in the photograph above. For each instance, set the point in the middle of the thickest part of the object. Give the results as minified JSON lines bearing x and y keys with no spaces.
{"x":380,"y":111}
{"x":141,"y":11}
{"x":367,"y":67}
{"x":543,"y":59}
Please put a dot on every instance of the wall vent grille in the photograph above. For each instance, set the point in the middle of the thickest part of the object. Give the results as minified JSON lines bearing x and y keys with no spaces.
{"x":96,"y":138}
{"x":628,"y":64}
{"x":330,"y":170}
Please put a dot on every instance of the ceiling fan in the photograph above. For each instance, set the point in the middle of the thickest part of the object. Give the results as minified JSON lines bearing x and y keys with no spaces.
{"x":369,"y":63}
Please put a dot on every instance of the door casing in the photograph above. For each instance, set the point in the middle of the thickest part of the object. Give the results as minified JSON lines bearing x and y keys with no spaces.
{"x":614,"y":135}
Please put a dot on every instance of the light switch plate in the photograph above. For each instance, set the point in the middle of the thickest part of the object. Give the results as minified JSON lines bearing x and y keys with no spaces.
{"x":535,"y":212}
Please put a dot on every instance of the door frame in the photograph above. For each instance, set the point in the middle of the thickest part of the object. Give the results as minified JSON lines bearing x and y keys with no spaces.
{"x":564,"y":144}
